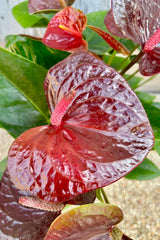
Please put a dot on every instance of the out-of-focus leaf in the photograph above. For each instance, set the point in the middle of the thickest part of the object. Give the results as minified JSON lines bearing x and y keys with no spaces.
{"x":21,"y":14}
{"x":157,"y":131}
{"x":117,"y":61}
{"x":3,"y":165}
{"x":157,"y":145}
{"x":130,"y":45}
{"x":23,"y":104}
{"x":134,"y":81}
{"x":90,"y":221}
{"x":146,"y":97}
{"x":153,"y":113}
{"x":95,"y":43}
{"x":42,"y":5}
{"x":19,"y":222}
{"x":34,"y":50}
{"x":147,"y":170}
{"x":156,"y":104}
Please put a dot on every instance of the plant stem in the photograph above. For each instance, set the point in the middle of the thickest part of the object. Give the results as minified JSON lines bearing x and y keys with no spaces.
{"x":135,"y":60}
{"x":104,"y":196}
{"x":63,"y":3}
{"x":112,"y":57}
{"x":125,"y":60}
{"x":127,"y":79}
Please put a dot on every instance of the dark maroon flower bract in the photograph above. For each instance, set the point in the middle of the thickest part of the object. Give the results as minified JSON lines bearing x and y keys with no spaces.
{"x":18,"y":222}
{"x":38,"y":5}
{"x":139,"y":21}
{"x":102,"y":134}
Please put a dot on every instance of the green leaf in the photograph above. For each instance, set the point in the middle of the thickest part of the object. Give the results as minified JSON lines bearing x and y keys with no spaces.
{"x":143,"y":96}
{"x":147,"y":170}
{"x":157,"y":145}
{"x":85,"y":222}
{"x":117,"y":61}
{"x":21,"y":14}
{"x":133,"y":81}
{"x":130,"y":45}
{"x":3,"y":165}
{"x":95,"y":43}
{"x":153,"y":113}
{"x":34,"y":50}
{"x":23,"y":102}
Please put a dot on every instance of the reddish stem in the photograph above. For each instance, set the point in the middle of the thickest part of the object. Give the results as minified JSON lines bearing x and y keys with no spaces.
{"x":110,"y":40}
{"x":61,"y":108}
{"x":153,"y":41}
{"x":135,"y":60}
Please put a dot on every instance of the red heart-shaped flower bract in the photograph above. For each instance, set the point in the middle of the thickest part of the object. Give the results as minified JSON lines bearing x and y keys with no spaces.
{"x":104,"y":133}
{"x":65,"y":29}
{"x":138,"y":20}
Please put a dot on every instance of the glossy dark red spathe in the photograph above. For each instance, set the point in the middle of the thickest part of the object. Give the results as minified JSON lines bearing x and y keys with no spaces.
{"x":18,"y":222}
{"x":138,"y":20}
{"x":65,"y":29}
{"x":103,"y":135}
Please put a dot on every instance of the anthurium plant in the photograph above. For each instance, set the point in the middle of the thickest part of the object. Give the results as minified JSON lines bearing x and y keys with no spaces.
{"x":78,"y":120}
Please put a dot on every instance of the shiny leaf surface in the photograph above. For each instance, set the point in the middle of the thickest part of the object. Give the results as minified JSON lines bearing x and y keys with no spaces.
{"x":34,"y":50}
{"x":64,"y":31}
{"x":147,"y":170}
{"x":23,"y":103}
{"x":138,"y":20}
{"x":93,"y":221}
{"x":37,"y":5}
{"x":18,"y":222}
{"x":103,"y":135}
